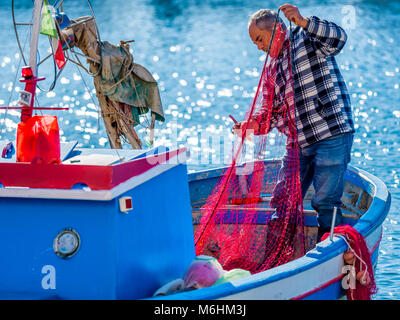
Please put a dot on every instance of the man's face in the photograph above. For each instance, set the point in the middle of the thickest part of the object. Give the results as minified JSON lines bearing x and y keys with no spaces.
{"x":262,"y":38}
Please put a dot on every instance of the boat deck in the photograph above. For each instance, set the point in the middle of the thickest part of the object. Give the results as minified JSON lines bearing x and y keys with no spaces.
{"x":356,"y":202}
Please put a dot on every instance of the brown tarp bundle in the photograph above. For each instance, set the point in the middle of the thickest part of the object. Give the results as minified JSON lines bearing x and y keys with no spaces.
{"x":125,"y":90}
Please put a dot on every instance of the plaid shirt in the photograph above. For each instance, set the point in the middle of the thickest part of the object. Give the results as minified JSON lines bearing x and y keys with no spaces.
{"x":323,"y":107}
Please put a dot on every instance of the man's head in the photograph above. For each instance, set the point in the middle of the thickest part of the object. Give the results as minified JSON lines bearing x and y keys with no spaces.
{"x":261,"y":25}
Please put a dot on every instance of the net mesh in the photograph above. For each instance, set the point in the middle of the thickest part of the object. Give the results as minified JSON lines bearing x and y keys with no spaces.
{"x":253,"y":218}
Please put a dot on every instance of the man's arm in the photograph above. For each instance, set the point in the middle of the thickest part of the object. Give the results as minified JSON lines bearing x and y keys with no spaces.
{"x":328,"y":37}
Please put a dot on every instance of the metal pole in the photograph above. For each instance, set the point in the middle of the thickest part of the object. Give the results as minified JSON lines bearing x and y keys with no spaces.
{"x":333,"y":222}
{"x":37,"y":14}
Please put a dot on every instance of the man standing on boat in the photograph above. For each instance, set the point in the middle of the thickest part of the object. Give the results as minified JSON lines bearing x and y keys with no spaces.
{"x":322,"y":105}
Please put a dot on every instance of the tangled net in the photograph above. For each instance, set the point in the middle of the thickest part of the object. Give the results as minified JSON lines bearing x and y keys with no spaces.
{"x":253,"y":218}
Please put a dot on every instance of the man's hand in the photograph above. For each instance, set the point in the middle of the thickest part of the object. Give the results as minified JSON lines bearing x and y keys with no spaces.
{"x":239,"y":126}
{"x":292,"y":13}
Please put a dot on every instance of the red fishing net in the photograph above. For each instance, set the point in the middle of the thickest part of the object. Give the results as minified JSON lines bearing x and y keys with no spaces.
{"x":364,"y":286}
{"x":253,"y":219}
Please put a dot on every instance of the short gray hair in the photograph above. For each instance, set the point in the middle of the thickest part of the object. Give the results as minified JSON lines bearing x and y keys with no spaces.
{"x":265,"y":19}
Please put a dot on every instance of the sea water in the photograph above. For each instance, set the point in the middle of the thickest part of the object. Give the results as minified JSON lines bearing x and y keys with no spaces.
{"x":207,"y":68}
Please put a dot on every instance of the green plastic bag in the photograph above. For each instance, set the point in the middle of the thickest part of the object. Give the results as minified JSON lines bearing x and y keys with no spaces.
{"x":233,"y":274}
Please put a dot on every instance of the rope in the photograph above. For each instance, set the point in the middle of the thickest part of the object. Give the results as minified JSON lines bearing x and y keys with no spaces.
{"x":129,"y":64}
{"x":15,"y":78}
{"x":127,"y":73}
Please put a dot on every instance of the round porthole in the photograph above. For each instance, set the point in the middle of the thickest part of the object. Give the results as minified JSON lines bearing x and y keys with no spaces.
{"x":66,"y":244}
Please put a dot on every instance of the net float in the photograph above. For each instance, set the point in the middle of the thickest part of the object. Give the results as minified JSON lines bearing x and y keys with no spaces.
{"x":363,"y":277}
{"x":348,"y":257}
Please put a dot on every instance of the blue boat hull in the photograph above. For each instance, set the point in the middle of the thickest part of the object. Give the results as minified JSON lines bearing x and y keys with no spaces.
{"x":122,"y":255}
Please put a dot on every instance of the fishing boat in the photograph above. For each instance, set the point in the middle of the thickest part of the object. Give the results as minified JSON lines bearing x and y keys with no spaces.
{"x":320,"y":272}
{"x":119,"y":224}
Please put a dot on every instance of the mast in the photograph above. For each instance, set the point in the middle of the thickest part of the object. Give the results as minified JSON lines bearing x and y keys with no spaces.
{"x":29,"y":73}
{"x":42,"y":144}
{"x":37,"y":10}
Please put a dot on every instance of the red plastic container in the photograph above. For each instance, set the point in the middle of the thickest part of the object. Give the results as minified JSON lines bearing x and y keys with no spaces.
{"x":38,"y":140}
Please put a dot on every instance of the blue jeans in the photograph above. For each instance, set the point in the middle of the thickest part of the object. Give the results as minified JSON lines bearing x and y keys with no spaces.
{"x":324,"y":164}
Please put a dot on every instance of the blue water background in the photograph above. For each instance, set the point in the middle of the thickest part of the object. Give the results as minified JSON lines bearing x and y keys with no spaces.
{"x":207,"y":68}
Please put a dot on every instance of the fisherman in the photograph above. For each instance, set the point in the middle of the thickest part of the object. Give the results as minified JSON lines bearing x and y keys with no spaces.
{"x":323,"y":113}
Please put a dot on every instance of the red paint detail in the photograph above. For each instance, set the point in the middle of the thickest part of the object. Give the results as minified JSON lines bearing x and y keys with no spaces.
{"x":30,"y":86}
{"x":377,"y":244}
{"x":327,"y":284}
{"x":338,"y":278}
{"x":27,"y":72}
{"x":64,"y":176}
{"x":28,"y":79}
{"x":128,"y":204}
